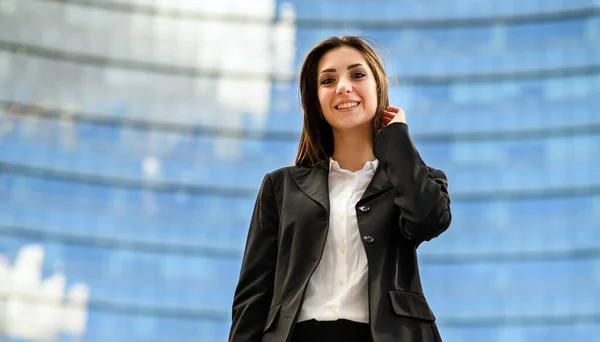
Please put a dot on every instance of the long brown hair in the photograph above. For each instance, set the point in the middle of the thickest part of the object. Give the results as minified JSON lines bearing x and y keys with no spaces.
{"x":316,"y":141}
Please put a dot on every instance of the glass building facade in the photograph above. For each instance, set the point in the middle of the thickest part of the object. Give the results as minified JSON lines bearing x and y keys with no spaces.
{"x":134,"y":136}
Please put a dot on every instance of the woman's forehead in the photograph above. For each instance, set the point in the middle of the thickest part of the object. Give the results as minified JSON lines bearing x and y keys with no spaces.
{"x":341,"y":58}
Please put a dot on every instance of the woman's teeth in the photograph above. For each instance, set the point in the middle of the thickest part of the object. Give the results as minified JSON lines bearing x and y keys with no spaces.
{"x":347,"y":105}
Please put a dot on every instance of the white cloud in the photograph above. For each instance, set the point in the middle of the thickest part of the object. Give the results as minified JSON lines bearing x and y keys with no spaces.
{"x":254,"y":49}
{"x":37,"y":309}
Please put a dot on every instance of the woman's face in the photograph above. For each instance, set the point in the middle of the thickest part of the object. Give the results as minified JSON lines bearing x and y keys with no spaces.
{"x":347,"y":89}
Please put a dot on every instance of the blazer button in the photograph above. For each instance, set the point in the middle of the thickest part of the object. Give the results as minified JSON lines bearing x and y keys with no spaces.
{"x":364,"y":208}
{"x":368,"y":239}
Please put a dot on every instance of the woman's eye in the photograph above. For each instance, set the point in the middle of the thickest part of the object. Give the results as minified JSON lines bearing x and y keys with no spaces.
{"x":327,"y":80}
{"x":359,"y":75}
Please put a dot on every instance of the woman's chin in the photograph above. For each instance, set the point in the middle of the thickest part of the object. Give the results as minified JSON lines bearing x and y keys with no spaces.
{"x":348,"y":126}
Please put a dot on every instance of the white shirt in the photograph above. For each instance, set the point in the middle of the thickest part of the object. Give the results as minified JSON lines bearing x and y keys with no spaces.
{"x":338,"y":287}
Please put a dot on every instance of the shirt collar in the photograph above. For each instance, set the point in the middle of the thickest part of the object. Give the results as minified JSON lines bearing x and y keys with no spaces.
{"x":369,"y":165}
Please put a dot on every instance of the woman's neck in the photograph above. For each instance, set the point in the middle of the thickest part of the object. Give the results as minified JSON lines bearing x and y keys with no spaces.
{"x":352,"y":149}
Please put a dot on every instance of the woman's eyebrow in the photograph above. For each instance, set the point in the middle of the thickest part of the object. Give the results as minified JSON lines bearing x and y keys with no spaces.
{"x":351,"y":66}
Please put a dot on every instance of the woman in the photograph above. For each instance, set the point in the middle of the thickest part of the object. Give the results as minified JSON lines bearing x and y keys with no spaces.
{"x":331,"y":249}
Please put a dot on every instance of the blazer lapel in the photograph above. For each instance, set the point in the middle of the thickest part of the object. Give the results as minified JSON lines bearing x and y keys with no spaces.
{"x":314,"y":182}
{"x":380,"y":183}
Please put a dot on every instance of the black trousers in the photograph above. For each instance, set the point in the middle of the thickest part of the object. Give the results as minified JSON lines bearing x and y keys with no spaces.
{"x":331,"y":331}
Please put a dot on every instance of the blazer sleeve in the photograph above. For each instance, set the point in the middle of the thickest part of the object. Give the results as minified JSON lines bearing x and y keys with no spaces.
{"x":254,"y":290}
{"x":421,"y":191}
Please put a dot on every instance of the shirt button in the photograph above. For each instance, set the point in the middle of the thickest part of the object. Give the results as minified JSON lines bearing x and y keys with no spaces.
{"x":332,"y":309}
{"x":341,"y":283}
{"x":343,"y":249}
{"x":342,"y":217}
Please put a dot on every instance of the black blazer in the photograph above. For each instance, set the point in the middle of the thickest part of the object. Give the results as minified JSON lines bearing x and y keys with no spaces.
{"x":406,"y":203}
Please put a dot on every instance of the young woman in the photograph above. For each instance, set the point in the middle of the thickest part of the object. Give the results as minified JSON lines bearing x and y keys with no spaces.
{"x":331,"y":249}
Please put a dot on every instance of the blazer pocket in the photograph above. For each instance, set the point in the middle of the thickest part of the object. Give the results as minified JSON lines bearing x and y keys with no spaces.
{"x":271,"y":317}
{"x":411,"y":305}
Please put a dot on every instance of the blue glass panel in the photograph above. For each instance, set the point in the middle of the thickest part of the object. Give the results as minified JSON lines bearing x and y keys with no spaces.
{"x":520,"y":289}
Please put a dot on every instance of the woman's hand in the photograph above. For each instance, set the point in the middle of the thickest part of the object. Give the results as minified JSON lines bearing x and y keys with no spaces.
{"x":392,"y":114}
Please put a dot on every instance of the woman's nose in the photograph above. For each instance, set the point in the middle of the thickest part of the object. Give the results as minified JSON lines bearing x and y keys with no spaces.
{"x":344,"y":86}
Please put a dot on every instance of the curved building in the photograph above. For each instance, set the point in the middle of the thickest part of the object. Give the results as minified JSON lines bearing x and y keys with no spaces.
{"x":134,"y":135}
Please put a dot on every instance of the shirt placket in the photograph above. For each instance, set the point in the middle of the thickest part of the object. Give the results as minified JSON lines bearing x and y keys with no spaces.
{"x":348,"y":194}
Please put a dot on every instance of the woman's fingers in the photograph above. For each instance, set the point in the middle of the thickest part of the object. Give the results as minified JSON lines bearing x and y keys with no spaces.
{"x":392,"y":109}
{"x":387,"y":116}
{"x":385,"y":121}
{"x":393,"y":114}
